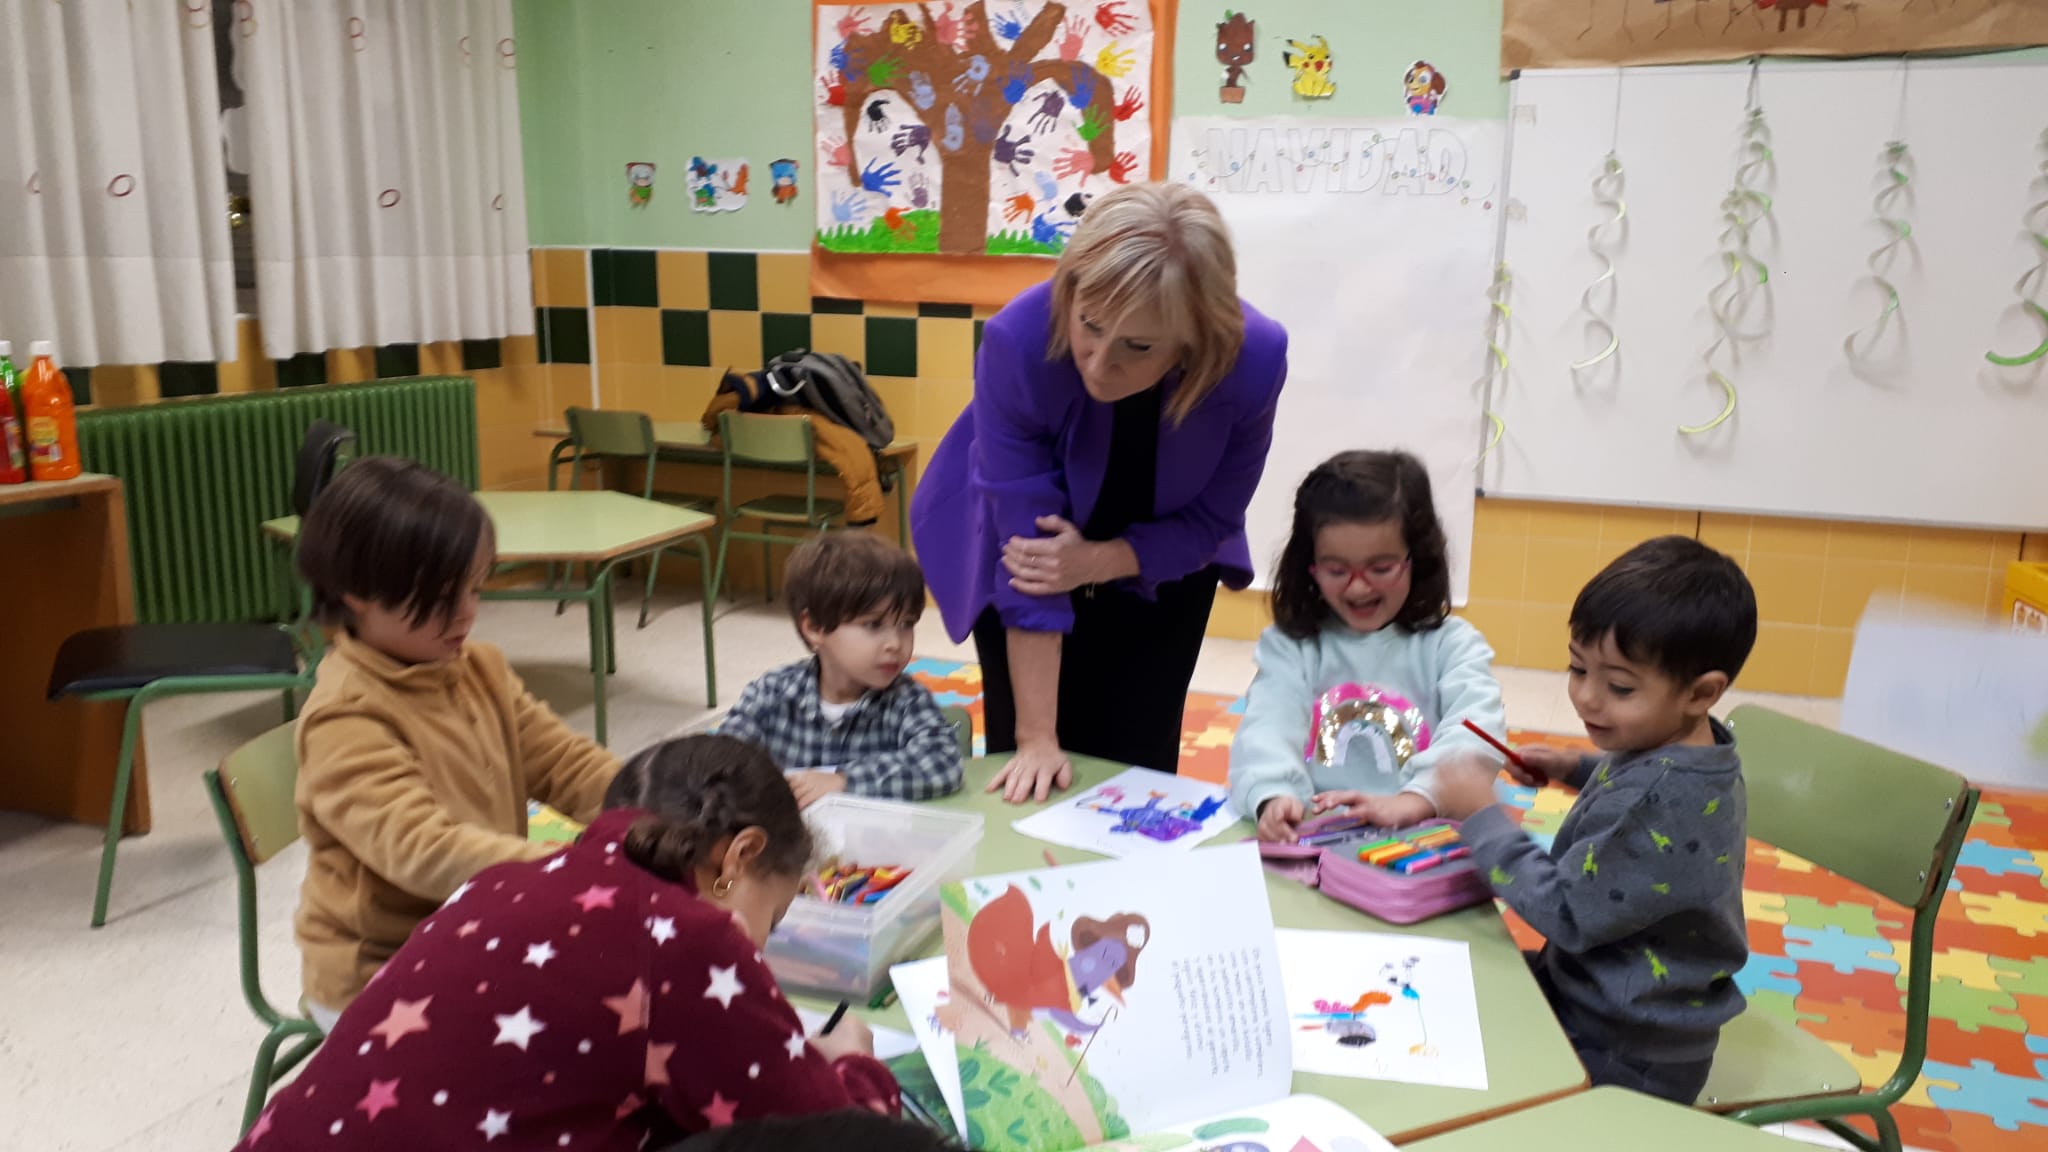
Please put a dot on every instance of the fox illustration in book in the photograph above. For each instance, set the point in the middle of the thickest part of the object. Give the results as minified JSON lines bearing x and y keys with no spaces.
{"x":1014,"y":958}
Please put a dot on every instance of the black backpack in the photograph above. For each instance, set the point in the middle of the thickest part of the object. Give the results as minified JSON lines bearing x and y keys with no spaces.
{"x":826,"y":383}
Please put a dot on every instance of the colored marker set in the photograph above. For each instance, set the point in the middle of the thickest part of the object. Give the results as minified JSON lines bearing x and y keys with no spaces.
{"x":1414,"y":850}
{"x":1399,"y":875}
{"x":853,"y":884}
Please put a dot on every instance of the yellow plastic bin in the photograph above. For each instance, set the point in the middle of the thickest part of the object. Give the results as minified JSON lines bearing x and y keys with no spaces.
{"x":2026,"y":597}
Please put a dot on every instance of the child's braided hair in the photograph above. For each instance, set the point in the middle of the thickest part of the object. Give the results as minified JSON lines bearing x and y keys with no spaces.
{"x":697,"y":790}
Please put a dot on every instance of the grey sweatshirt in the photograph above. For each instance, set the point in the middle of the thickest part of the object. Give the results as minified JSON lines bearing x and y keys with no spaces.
{"x":1640,"y":898}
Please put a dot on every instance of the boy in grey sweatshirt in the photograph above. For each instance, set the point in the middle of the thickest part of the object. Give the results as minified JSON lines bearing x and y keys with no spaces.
{"x":1640,"y":896}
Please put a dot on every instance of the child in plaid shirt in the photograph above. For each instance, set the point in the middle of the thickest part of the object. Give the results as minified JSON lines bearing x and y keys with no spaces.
{"x":848,"y":719}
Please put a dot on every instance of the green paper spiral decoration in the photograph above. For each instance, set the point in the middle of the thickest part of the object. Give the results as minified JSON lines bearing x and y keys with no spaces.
{"x":1607,"y":190}
{"x":1898,"y":162}
{"x":1498,"y":314}
{"x":2036,"y":223}
{"x":1748,"y":279}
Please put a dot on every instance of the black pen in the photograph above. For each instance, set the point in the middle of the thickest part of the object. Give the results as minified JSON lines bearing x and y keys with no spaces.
{"x":838,"y":1014}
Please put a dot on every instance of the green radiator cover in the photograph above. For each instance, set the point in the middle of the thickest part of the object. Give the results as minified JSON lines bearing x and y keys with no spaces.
{"x":201,"y":475}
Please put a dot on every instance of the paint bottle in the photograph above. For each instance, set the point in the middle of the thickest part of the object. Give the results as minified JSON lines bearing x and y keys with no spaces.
{"x":13,"y":448}
{"x":49,"y":416}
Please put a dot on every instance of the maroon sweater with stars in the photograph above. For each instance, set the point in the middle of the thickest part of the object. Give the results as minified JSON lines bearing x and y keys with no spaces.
{"x":573,"y":1002}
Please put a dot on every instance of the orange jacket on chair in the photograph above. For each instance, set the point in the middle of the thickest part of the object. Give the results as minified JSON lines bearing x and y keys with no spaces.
{"x":839,"y":448}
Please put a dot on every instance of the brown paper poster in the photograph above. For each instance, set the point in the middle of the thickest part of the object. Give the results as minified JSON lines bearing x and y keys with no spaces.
{"x":1582,"y":33}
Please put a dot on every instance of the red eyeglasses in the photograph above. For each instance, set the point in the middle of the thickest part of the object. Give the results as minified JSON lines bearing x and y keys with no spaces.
{"x":1337,"y":574}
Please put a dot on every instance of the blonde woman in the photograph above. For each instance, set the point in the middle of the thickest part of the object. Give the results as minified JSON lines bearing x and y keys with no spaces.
{"x":1079,"y":515}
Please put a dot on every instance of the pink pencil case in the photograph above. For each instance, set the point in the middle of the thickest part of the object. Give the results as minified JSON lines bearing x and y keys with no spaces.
{"x":1331,"y":865}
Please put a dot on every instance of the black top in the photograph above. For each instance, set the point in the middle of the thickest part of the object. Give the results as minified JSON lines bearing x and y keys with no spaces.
{"x":1132,"y":472}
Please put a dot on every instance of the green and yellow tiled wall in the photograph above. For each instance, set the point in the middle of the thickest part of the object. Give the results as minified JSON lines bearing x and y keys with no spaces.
{"x":655,"y":330}
{"x":662,"y":327}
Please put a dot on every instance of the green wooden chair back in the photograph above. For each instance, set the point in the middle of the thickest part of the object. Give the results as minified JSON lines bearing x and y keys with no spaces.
{"x":600,"y":434}
{"x":1879,"y":818}
{"x":757,"y":439}
{"x":963,"y":727}
{"x":258,"y":780}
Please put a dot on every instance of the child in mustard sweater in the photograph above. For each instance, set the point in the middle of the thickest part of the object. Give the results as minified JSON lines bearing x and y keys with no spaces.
{"x":417,"y":749}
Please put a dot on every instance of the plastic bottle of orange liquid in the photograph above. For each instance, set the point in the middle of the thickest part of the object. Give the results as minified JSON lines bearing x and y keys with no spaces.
{"x":49,"y":416}
{"x":13,"y":448}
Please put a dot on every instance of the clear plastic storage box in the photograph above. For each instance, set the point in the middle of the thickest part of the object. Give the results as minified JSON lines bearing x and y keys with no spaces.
{"x":847,"y":949}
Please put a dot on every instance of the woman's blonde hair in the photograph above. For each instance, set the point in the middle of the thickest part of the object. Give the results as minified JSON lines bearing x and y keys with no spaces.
{"x":1162,"y":244}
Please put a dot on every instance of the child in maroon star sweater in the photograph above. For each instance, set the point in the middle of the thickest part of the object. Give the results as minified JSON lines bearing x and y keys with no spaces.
{"x":587,"y":1000}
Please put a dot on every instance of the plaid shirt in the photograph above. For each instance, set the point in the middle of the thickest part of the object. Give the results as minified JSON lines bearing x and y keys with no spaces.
{"x":894,"y":743}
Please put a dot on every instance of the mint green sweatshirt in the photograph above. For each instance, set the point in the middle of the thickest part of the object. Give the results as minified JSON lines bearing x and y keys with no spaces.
{"x":1447,"y":673}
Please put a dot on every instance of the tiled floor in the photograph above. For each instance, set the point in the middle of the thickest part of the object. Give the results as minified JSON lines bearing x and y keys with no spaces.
{"x":135,"y":1036}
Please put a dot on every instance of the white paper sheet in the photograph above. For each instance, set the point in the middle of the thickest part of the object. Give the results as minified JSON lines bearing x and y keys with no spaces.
{"x":1373,"y":241}
{"x":1970,"y":697}
{"x":1137,"y":812}
{"x":921,"y":988}
{"x":1295,"y":1124}
{"x":1383,"y":1007}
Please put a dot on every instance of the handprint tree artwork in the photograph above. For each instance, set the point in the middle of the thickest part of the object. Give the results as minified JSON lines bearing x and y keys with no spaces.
{"x":976,"y":128}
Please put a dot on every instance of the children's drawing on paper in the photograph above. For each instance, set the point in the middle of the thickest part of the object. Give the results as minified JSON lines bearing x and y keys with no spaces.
{"x":1424,"y":87}
{"x":782,"y":181}
{"x":1292,"y":1124}
{"x":639,"y":184}
{"x":1135,"y":812}
{"x":1428,"y":160}
{"x":1311,"y":63}
{"x":717,"y":185}
{"x":976,"y":128}
{"x":1093,"y":1001}
{"x":1236,"y":45}
{"x":1383,"y":1007}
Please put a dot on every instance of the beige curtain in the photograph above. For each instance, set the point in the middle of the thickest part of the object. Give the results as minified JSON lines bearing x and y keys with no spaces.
{"x":384,"y":171}
{"x":113,"y":201}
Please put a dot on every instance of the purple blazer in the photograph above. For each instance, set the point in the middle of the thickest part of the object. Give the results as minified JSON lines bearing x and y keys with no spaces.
{"x":1033,"y":443}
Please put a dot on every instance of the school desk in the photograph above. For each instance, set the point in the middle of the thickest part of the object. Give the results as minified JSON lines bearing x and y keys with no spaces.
{"x":597,"y":530}
{"x":66,"y":545}
{"x":687,"y":442}
{"x":1528,"y":1059}
{"x":1607,"y":1118}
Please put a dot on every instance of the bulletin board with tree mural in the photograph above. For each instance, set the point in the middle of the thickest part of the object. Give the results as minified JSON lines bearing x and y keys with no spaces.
{"x":958,"y":144}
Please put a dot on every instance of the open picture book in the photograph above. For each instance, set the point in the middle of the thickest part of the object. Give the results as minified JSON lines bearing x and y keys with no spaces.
{"x":1110,"y":1006}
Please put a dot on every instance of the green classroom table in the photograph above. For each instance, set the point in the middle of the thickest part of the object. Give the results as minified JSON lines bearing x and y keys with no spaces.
{"x":1528,"y":1059}
{"x":598,"y":530}
{"x":1607,"y":1118}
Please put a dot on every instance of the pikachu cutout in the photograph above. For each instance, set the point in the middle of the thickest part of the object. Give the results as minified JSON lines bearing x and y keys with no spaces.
{"x":1311,"y":64}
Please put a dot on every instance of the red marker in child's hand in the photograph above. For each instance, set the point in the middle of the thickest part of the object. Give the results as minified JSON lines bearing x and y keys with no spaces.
{"x":1506,"y":751}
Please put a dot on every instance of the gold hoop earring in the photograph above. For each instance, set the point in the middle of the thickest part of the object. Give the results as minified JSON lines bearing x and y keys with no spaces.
{"x":722,"y":888}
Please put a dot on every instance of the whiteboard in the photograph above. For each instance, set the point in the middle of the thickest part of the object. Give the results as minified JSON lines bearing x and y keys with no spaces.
{"x":1926,"y":430}
{"x":1372,"y":241}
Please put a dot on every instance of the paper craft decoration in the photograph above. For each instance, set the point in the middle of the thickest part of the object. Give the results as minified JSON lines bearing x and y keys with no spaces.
{"x":1546,"y":34}
{"x":782,"y":181}
{"x":984,"y":130}
{"x":1237,"y":41}
{"x":1383,"y":1007}
{"x":1311,"y":63}
{"x":1095,"y":1001}
{"x":1424,"y":88}
{"x":639,"y":183}
{"x":1135,"y":813}
{"x":2033,"y":279}
{"x":717,"y":185}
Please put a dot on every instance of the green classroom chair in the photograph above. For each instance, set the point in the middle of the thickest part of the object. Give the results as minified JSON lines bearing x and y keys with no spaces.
{"x":599,"y":435}
{"x":963,"y":727}
{"x":747,"y":438}
{"x":1881,"y":819}
{"x":251,"y":793}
